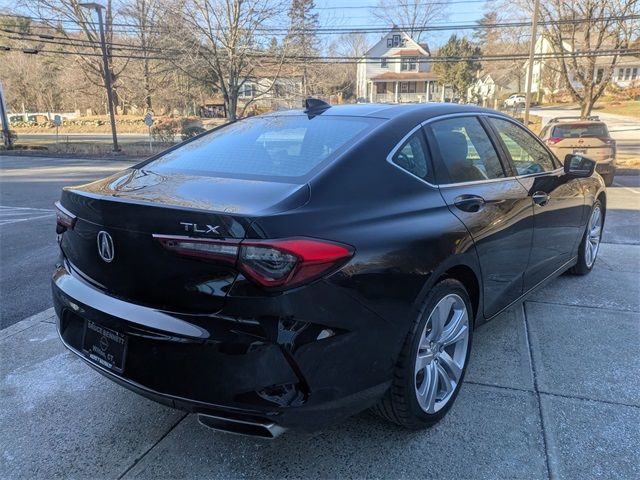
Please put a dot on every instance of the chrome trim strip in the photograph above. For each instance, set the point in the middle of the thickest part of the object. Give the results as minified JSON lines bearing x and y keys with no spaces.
{"x":460,"y":184}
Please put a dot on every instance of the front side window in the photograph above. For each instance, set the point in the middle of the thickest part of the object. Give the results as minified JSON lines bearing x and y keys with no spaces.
{"x":527,"y":154}
{"x":286,"y":147}
{"x":466,"y":151}
{"x":412,"y":156}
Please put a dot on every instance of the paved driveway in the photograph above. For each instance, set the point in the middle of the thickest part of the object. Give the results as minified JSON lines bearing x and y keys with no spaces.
{"x":553,"y":391}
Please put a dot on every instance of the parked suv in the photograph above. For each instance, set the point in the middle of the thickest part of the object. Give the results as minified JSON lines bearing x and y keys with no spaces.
{"x":515,"y":100}
{"x":588,"y":137}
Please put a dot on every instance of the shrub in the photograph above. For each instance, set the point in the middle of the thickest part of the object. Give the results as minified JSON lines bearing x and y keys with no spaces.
{"x":191,"y":131}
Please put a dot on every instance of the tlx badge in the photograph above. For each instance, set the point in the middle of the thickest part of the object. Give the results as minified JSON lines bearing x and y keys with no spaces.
{"x":195,"y":228}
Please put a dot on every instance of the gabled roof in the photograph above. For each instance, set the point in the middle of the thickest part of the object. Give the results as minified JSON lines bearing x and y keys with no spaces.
{"x":423,"y":48}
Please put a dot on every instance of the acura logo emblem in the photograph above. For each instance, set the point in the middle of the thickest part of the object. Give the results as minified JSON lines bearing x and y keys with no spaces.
{"x":105,"y":246}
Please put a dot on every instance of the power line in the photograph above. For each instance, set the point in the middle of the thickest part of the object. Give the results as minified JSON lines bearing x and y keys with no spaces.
{"x":376,"y":29}
{"x":356,"y":60}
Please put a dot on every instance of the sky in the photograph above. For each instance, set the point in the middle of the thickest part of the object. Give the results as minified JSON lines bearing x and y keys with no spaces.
{"x":459,"y":13}
{"x":338,"y":16}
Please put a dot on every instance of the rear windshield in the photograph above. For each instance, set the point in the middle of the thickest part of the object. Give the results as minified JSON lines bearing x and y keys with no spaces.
{"x":580,"y":130}
{"x":273,"y":146}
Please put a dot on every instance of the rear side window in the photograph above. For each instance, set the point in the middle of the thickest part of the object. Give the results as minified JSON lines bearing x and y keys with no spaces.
{"x":412,"y":156}
{"x":466,"y":151}
{"x":577,"y":130}
{"x":527,"y":154}
{"x":286,"y":147}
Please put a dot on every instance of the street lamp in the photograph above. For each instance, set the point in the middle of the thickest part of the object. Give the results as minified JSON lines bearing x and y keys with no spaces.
{"x":107,"y":71}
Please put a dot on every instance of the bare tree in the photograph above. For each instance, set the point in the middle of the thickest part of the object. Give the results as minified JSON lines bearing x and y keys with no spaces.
{"x":587,"y":26}
{"x":411,"y":15}
{"x":60,"y":15}
{"x":225,"y":44}
{"x":145,"y":16}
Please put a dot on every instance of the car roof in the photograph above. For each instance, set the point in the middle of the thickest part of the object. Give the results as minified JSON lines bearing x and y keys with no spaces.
{"x":390,"y":111}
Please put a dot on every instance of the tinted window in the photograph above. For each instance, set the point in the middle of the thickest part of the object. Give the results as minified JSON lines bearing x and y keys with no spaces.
{"x":576,"y":130}
{"x":526,"y":152}
{"x":466,"y":150}
{"x":412,"y":156}
{"x":278,"y":146}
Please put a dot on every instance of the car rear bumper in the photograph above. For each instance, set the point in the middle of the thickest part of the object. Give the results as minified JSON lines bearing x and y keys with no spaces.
{"x":230,"y":367}
{"x":606,"y":167}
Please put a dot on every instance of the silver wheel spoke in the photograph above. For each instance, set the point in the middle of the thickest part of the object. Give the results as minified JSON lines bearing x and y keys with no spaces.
{"x":446,"y":381}
{"x":422,"y":361}
{"x":456,"y":330}
{"x":429,"y":388}
{"x":449,"y":364}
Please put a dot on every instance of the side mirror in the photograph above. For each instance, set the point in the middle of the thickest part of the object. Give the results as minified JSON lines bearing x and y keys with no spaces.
{"x":578,"y":166}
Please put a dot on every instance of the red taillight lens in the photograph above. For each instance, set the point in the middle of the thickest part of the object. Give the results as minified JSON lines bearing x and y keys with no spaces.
{"x":553,"y":140}
{"x":270,"y":263}
{"x":64,"y":218}
{"x":291,"y":262}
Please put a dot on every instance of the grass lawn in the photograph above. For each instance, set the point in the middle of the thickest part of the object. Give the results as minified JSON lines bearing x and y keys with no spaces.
{"x":630,"y":108}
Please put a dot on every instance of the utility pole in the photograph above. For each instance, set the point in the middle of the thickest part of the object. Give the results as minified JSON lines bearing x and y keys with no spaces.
{"x":532,"y":51}
{"x":5,"y":121}
{"x":107,"y":71}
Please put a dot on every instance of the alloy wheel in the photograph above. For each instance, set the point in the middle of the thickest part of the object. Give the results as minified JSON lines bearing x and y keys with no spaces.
{"x":442,"y":353}
{"x":594,"y":231}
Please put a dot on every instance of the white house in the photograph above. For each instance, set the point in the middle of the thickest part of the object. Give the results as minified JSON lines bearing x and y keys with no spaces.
{"x":547,"y":79}
{"x":396,"y":69}
{"x":489,"y":88}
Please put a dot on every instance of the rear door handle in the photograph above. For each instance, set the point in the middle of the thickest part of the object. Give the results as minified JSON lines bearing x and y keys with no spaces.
{"x":540,"y":198}
{"x":469,"y":203}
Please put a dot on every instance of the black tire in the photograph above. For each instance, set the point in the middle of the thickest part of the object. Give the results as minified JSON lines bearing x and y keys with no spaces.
{"x":582,"y":267}
{"x":608,"y":179}
{"x":399,"y":404}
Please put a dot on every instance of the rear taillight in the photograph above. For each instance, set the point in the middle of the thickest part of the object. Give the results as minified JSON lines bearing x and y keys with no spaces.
{"x":553,"y":140}
{"x":283,"y":263}
{"x":65,"y":220}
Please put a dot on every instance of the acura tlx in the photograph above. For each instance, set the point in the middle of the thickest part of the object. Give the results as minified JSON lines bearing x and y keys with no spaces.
{"x":292,"y":269}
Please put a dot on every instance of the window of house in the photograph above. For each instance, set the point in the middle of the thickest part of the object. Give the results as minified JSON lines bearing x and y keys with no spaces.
{"x":384,"y":62}
{"x":527,"y":154}
{"x":248,"y":90}
{"x":408,"y":63}
{"x":381,"y":87}
{"x":466,"y":151}
{"x":634,"y":74}
{"x":599,"y":75}
{"x":627,"y":74}
{"x":412,"y":157}
{"x":389,"y":42}
{"x":396,"y":40}
{"x":620,"y":73}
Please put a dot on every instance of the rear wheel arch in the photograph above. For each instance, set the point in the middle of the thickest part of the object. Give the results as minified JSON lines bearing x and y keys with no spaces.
{"x":465,"y":275}
{"x":602,"y":196}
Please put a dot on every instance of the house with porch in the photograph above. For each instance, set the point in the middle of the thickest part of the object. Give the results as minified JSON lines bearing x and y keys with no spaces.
{"x":396,"y":70}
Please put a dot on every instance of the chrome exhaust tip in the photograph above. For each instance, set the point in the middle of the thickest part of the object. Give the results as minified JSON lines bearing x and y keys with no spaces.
{"x":267,"y":430}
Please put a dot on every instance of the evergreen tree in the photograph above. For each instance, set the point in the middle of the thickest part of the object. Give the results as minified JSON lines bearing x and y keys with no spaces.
{"x":302,"y":39}
{"x":459,"y":75}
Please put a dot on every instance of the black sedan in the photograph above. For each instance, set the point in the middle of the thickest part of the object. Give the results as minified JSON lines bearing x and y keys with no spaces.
{"x":289,"y":270}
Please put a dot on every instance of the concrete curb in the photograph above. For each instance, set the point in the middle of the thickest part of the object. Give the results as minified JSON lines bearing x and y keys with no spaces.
{"x":47,"y":316}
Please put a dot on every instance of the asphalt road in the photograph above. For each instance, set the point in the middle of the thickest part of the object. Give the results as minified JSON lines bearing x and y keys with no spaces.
{"x":81,"y":137}
{"x":28,"y":188}
{"x":30,"y":185}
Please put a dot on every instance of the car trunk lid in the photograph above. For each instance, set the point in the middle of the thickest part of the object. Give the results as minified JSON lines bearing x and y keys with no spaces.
{"x":132,"y":206}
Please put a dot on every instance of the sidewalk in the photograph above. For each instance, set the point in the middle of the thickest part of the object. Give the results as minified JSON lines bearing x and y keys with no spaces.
{"x":553,"y":391}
